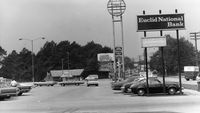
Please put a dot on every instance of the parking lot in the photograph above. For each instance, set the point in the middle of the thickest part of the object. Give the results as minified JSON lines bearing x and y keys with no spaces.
{"x":69,"y":99}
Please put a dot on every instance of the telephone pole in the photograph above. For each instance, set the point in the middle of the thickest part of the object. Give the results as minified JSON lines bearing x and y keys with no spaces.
{"x":195,"y":36}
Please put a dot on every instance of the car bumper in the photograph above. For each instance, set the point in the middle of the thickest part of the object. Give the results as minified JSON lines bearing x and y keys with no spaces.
{"x":8,"y":94}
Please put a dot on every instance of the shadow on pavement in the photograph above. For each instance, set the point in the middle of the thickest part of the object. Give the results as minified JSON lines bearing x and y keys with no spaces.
{"x":133,"y":112}
{"x":151,"y":95}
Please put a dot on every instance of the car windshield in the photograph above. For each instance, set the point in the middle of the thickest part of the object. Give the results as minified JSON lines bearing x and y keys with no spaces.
{"x":92,"y":79}
{"x":131,"y":79}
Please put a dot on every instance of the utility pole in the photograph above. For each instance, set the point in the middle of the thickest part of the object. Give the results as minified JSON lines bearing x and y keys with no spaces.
{"x":196,"y":35}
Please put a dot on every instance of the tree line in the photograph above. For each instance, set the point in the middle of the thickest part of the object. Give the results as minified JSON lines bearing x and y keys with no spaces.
{"x":17,"y":65}
{"x":50,"y":57}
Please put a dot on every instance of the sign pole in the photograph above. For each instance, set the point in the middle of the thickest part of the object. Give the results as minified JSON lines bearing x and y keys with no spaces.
{"x":114,"y":63}
{"x":163,"y":63}
{"x":116,"y":8}
{"x":178,"y":47}
{"x":146,"y":60}
{"x":123,"y":65}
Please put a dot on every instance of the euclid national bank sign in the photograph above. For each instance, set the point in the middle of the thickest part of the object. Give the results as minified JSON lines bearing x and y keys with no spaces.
{"x":160,"y":22}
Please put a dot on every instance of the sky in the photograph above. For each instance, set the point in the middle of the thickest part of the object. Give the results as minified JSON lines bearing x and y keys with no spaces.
{"x":84,"y":21}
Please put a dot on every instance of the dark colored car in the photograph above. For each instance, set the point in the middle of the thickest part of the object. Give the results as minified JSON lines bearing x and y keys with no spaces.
{"x":155,"y":86}
{"x":127,"y":86}
{"x":118,"y":85}
{"x":190,"y":75}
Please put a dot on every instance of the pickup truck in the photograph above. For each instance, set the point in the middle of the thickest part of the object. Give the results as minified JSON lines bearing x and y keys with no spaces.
{"x":47,"y":83}
{"x":64,"y":83}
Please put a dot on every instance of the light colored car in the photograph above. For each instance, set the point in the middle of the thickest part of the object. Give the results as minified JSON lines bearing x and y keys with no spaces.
{"x":7,"y":92}
{"x":92,"y":80}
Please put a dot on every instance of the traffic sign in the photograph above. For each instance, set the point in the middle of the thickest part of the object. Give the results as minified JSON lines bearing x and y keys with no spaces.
{"x":118,"y":53}
{"x":118,"y":48}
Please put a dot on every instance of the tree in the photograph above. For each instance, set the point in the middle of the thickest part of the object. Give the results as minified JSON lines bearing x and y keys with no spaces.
{"x":46,"y":60}
{"x":187,"y":54}
{"x":129,"y":63}
{"x":10,"y":66}
{"x":25,"y":65}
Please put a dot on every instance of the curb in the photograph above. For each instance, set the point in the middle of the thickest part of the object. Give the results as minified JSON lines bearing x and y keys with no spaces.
{"x":191,"y":92}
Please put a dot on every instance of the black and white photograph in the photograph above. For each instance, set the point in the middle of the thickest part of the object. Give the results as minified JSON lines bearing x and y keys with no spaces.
{"x":99,"y":56}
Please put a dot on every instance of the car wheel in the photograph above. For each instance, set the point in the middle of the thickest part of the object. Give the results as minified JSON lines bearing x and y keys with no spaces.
{"x":194,"y":78}
{"x":140,"y":92}
{"x":20,"y":94}
{"x":172,"y":91}
{"x":125,"y":90}
{"x":187,"y":79}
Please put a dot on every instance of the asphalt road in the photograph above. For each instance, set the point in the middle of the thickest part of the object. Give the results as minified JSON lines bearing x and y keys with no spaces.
{"x":82,"y":99}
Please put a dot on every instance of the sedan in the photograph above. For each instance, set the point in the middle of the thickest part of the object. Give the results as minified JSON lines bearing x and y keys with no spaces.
{"x":118,"y":85}
{"x":127,"y":86}
{"x":155,"y":86}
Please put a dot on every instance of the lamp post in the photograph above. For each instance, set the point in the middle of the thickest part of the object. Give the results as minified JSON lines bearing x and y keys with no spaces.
{"x":32,"y":57}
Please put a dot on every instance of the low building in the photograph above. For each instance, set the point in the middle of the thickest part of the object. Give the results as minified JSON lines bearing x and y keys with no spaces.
{"x":66,"y":75}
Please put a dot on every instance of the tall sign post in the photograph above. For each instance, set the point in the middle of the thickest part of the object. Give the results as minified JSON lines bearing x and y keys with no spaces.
{"x":163,"y":60}
{"x":159,"y":23}
{"x":117,"y":8}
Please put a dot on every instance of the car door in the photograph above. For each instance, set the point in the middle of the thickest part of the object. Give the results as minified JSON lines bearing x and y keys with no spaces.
{"x":155,"y":86}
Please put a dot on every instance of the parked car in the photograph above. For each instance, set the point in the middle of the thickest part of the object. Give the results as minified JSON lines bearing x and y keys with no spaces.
{"x":125,"y":88}
{"x":64,"y":83}
{"x":47,"y":83}
{"x":23,"y":89}
{"x":190,"y":72}
{"x":92,"y":80}
{"x":7,"y":92}
{"x":119,"y":84}
{"x":155,"y":86}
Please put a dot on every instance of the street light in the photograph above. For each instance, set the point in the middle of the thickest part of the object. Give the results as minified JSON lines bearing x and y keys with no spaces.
{"x":33,"y":79}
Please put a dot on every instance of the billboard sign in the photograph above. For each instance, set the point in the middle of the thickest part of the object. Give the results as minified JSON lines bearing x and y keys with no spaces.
{"x":106,"y":66}
{"x":118,"y":48}
{"x":191,"y":69}
{"x":105,"y":57}
{"x":161,"y":22}
{"x":154,"y":42}
{"x":118,"y":51}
